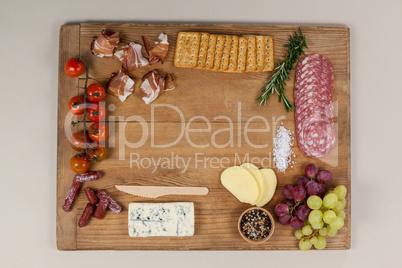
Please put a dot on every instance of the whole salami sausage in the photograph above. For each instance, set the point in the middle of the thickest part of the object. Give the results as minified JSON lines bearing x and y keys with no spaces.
{"x":89,"y":209}
{"x":71,"y":195}
{"x":102,"y":205}
{"x":89,"y":176}
{"x":91,"y":196}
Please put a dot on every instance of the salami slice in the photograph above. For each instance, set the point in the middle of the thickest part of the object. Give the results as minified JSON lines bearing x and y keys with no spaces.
{"x":314,"y":76}
{"x":310,"y":118}
{"x":316,"y":57}
{"x":313,"y":65}
{"x":314,"y":106}
{"x":306,"y":70}
{"x":309,"y":110}
{"x":311,"y":100}
{"x":316,"y":93}
{"x":320,"y":64}
{"x":319,"y":138}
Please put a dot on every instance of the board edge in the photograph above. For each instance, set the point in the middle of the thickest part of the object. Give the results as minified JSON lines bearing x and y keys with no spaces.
{"x":64,"y":240}
{"x":345,"y":28}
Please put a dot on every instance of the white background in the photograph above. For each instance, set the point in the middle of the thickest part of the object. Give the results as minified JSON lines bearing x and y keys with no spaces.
{"x":28,"y":111}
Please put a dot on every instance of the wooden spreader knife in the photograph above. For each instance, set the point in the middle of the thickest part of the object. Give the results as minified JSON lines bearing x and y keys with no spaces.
{"x":157,"y":191}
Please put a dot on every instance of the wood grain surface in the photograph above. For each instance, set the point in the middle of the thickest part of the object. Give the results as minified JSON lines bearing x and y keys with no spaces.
{"x":200,"y":96}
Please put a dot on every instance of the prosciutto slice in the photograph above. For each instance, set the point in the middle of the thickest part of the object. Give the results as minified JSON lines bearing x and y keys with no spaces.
{"x":120,"y":85}
{"x":159,"y":49}
{"x":169,"y":82}
{"x":131,"y":57}
{"x":104,"y":44}
{"x":153,"y":85}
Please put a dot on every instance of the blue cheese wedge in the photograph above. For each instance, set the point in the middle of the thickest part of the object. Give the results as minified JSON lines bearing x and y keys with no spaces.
{"x":161,"y":219}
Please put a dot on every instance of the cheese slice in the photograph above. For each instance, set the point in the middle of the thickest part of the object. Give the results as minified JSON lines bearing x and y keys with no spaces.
{"x":161,"y":219}
{"x":241,"y":184}
{"x":270,"y":182}
{"x":255,"y":172}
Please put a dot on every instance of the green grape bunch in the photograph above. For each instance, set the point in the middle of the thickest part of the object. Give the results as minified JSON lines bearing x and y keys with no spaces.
{"x":325,"y":219}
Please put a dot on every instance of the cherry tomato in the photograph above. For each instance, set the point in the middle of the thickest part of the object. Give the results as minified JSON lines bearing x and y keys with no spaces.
{"x":99,"y":154}
{"x":96,"y":112}
{"x":77,"y":141}
{"x":80,"y":163}
{"x":74,"y":67}
{"x":76,"y":105}
{"x":95,"y":93}
{"x":98,"y":132}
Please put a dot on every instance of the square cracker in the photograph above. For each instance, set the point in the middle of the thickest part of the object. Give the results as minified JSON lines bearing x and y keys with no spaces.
{"x":202,"y":53}
{"x":209,"y":63}
{"x":220,"y":42}
{"x":260,"y":53}
{"x":187,"y":46}
{"x":242,"y":55}
{"x":269,"y":53}
{"x":226,"y":53}
{"x":234,"y":49}
{"x":251,"y":54}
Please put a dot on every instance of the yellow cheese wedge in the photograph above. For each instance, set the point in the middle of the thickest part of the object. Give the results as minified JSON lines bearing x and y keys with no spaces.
{"x":255,"y":172}
{"x":241,"y":184}
{"x":269,"y":180}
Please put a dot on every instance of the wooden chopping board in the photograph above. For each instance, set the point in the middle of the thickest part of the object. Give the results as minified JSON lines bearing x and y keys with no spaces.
{"x":200,"y":96}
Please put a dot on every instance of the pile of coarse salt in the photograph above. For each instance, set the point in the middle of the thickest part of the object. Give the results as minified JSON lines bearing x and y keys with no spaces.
{"x":283,"y":143}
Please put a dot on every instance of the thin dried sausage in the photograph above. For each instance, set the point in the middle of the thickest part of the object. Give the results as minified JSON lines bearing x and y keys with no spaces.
{"x":71,"y":195}
{"x":89,"y":176}
{"x":104,"y":199}
{"x":91,"y":196}
{"x":114,"y":206}
{"x":89,"y":209}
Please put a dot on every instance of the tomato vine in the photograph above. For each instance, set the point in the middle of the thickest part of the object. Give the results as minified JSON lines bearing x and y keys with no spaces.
{"x":87,"y":146}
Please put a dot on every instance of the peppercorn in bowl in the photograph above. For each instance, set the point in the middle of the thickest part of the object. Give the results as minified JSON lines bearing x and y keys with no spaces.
{"x":256,"y":225}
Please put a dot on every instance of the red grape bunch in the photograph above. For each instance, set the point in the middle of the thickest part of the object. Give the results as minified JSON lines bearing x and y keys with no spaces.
{"x":293,"y":209}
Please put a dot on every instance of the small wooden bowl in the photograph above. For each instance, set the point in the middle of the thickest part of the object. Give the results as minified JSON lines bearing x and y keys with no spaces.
{"x":261,"y":240}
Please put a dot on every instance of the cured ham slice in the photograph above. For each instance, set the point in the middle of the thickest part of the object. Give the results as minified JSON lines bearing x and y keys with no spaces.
{"x":131,"y":57}
{"x":169,"y":82}
{"x":153,"y":84}
{"x":159,"y":49}
{"x":104,"y":44}
{"x":120,"y":85}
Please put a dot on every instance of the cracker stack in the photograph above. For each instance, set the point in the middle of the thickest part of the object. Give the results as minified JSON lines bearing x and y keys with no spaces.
{"x":227,"y":53}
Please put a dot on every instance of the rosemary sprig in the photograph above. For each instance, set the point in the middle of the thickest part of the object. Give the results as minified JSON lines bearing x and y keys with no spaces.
{"x":276,"y":82}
